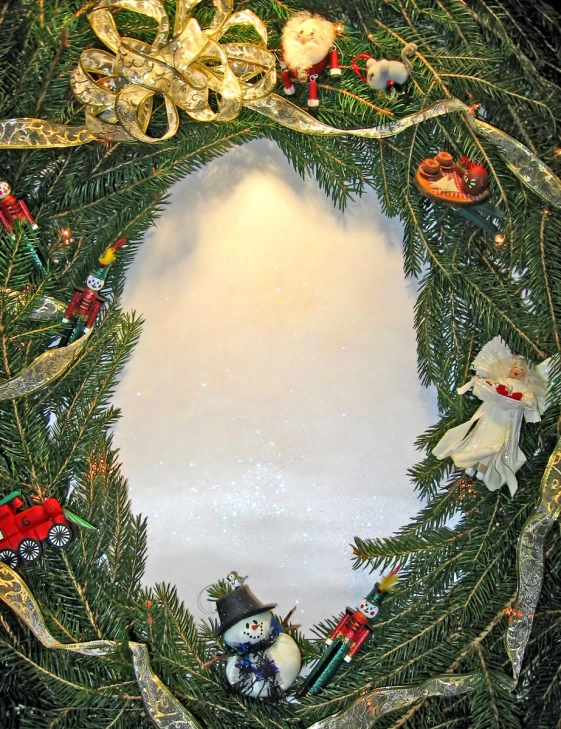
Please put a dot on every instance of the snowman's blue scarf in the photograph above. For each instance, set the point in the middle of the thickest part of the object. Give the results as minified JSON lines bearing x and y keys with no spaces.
{"x":254,"y":665}
{"x":245,"y":650}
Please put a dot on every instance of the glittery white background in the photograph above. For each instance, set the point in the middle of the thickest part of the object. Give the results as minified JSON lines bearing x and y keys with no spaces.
{"x":270,"y":409}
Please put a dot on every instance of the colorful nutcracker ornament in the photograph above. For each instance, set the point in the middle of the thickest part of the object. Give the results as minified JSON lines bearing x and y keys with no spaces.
{"x":510,"y":390}
{"x":349,"y":634}
{"x":308,"y":46}
{"x":12,"y":209}
{"x":87,"y":302}
{"x":384,"y":75}
{"x":463,"y":185}
{"x":266,"y":661}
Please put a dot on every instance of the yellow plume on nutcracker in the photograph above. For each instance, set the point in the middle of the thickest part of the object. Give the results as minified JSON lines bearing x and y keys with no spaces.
{"x":107,"y":257}
{"x":387,"y":582}
{"x":109,"y":254}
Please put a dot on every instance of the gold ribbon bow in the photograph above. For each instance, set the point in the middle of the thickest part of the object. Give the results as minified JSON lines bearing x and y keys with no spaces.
{"x":118,"y":88}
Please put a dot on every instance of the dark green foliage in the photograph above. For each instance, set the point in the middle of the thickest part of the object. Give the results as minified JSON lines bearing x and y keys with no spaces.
{"x":459,"y":577}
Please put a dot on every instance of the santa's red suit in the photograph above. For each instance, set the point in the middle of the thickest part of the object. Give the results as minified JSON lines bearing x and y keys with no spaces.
{"x":312,"y":75}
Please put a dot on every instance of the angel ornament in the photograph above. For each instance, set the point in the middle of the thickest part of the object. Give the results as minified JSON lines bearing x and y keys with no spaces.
{"x":510,"y":389}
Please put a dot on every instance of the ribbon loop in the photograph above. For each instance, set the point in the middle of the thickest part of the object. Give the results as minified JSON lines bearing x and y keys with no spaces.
{"x":117,"y":87}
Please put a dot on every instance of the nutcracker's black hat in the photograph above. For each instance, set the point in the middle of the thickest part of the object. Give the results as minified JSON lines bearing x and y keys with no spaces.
{"x":236,"y":606}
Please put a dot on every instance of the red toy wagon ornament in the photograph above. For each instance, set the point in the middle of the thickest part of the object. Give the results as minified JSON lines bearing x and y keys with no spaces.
{"x":27,"y":529}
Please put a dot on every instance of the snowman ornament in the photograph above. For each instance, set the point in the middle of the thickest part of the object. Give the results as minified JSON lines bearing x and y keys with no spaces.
{"x":265,"y":661}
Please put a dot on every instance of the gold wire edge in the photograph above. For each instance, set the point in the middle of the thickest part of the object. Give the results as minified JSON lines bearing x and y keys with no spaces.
{"x":530,"y":554}
{"x":44,"y":369}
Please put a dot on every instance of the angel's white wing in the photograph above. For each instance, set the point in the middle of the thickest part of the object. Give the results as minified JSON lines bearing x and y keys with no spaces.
{"x":541,"y":373}
{"x":494,"y":360}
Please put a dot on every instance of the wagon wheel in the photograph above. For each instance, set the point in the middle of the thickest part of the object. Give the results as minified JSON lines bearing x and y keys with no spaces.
{"x":9,"y":557}
{"x":29,"y":549}
{"x":60,"y":536}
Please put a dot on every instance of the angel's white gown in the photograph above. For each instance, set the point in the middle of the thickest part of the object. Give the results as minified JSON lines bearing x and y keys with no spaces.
{"x":488,"y":442}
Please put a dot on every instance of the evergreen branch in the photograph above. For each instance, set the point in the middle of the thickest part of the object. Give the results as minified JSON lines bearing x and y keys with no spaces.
{"x":489,"y":684}
{"x":48,"y":674}
{"x":499,"y":90}
{"x":81,"y":592}
{"x":358,"y":99}
{"x":503,"y":315}
{"x":121,"y":350}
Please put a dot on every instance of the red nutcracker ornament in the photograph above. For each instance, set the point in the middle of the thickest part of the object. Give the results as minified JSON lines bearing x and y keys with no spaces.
{"x":12,"y":209}
{"x":86,"y":302}
{"x":308,"y":46}
{"x":349,"y":634}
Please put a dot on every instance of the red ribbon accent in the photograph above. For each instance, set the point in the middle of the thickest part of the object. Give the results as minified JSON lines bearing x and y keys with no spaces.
{"x":356,"y":69}
{"x":119,"y":243}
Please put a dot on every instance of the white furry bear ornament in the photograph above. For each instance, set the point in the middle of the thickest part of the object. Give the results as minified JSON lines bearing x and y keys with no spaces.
{"x":308,"y":43}
{"x":266,"y":661}
{"x":384,"y":74}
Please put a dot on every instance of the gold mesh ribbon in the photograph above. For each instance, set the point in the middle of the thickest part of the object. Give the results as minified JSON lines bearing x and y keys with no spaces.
{"x":162,"y":707}
{"x":45,"y":368}
{"x":17,"y":595}
{"x":531,"y":561}
{"x":528,"y":168}
{"x":45,"y":308}
{"x":369,"y":707}
{"x":118,"y":85}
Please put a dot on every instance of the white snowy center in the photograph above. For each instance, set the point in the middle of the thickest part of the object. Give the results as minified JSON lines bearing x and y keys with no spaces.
{"x":270,"y":409}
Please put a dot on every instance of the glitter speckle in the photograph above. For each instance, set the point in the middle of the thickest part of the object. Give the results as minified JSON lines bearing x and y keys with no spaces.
{"x":300,"y":408}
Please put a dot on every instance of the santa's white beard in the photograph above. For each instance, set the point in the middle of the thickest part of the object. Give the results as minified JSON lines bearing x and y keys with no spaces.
{"x":299,"y":57}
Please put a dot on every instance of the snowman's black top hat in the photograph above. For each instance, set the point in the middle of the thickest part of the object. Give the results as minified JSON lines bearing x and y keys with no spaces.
{"x":236,"y":606}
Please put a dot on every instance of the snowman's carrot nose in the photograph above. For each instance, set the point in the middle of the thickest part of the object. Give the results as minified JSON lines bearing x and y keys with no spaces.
{"x":255,"y":626}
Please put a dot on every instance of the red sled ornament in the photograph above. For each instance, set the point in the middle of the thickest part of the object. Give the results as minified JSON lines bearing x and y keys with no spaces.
{"x":308,"y":47}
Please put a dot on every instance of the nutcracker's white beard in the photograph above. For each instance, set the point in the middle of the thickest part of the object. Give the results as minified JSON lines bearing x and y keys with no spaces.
{"x":306,"y":40}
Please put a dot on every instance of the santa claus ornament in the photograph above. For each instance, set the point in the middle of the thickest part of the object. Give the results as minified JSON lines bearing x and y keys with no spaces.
{"x":308,"y":47}
{"x":265,"y":661}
